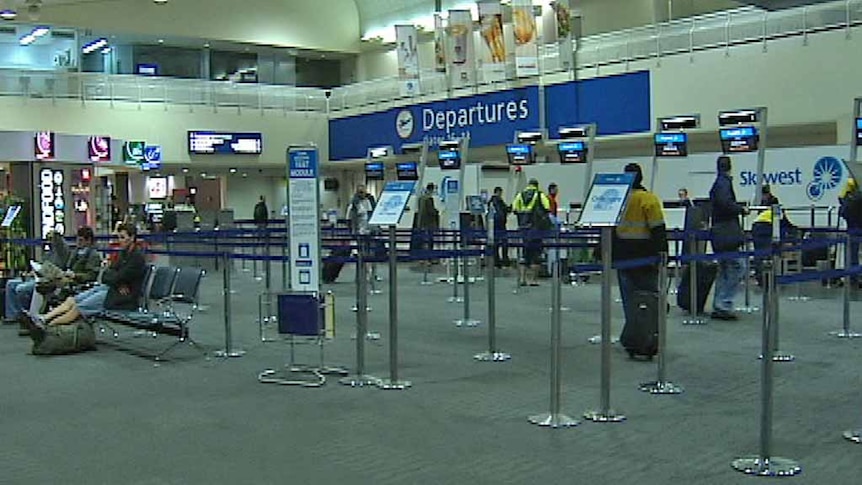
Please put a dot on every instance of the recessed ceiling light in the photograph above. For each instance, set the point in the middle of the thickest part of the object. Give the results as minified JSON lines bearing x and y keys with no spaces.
{"x":207,"y":45}
{"x":185,"y":170}
{"x":245,"y":175}
{"x":160,"y":2}
{"x":233,"y":170}
{"x":161,"y":41}
{"x":8,"y":14}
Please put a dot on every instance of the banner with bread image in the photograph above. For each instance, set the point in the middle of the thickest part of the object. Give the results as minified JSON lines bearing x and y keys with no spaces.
{"x":492,"y":58}
{"x":526,"y":38}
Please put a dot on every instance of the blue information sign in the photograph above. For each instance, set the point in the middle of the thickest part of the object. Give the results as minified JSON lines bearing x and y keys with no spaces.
{"x":304,"y":219}
{"x":606,"y":199}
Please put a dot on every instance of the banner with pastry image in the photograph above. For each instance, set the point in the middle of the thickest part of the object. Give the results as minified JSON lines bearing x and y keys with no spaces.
{"x":439,"y":44}
{"x":526,"y":38}
{"x":492,"y":57}
{"x":408,"y":59}
{"x":462,"y":63}
{"x":564,"y":32}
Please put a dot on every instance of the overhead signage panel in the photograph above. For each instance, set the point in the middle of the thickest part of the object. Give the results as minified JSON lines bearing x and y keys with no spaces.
{"x":572,"y":152}
{"x":859,"y":131}
{"x":739,"y":140}
{"x":213,"y":142}
{"x":520,"y":154}
{"x":671,"y":145}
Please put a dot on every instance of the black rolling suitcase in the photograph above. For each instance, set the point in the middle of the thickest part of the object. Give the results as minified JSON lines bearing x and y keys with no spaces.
{"x":331,"y":269}
{"x":640,"y":334}
{"x":705,"y":278}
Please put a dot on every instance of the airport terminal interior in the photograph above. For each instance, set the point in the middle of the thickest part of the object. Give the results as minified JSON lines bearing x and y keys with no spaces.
{"x":430,"y":241}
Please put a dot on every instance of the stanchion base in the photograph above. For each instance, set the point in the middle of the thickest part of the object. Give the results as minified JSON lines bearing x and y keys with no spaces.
{"x":555,"y":421}
{"x":492,"y":357}
{"x":657,"y":387}
{"x":798,"y":298}
{"x":258,"y":278}
{"x":597,"y":339}
{"x":747,"y":309}
{"x":426,"y":283}
{"x":779,"y":357}
{"x":609,"y":416}
{"x":224,"y":354}
{"x":847,"y":335}
{"x":375,"y":292}
{"x":368,"y":336}
{"x":390,"y":385}
{"x":287,"y":378}
{"x":455,"y":299}
{"x":356,"y":309}
{"x":769,"y":467}
{"x":359,"y":381}
{"x":467,"y":322}
{"x":562,"y":309}
{"x":694,"y":321}
{"x":854,"y":436}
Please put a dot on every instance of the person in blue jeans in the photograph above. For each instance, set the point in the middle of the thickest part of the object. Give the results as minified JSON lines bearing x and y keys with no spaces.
{"x":727,"y":237}
{"x":19,"y":291}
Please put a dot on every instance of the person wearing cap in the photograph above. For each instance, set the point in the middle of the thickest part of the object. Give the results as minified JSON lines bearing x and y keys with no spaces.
{"x":727,"y":237}
{"x":641,"y":233}
{"x":532,"y":208}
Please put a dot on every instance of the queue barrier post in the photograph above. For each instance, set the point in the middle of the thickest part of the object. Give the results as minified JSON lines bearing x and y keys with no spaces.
{"x":228,"y":351}
{"x":694,"y":317}
{"x":845,"y":331}
{"x":493,"y":354}
{"x":605,"y":414}
{"x":777,"y":355}
{"x":466,"y":320}
{"x":359,"y":378}
{"x":764,"y":464}
{"x":455,"y":262}
{"x":554,"y":418}
{"x":393,"y":383}
{"x":661,"y":385}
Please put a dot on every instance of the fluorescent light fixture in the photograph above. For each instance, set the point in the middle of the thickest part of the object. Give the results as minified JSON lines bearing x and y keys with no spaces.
{"x":27,"y":39}
{"x":8,"y":14}
{"x":40,"y":31}
{"x":94,"y":45}
{"x":680,"y":122}
{"x":574,"y":132}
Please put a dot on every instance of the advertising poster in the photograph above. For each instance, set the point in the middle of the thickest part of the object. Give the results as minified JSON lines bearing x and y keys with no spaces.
{"x":304,"y":220}
{"x":439,"y":44}
{"x":492,"y":56}
{"x":408,"y":59}
{"x":526,"y":41}
{"x":564,"y":31}
{"x":461,"y":61}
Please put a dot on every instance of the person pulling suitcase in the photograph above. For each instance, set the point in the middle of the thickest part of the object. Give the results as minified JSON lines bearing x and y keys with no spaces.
{"x":640,"y":234}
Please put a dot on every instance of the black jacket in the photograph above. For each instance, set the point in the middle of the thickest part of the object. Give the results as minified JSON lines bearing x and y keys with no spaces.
{"x":127,"y":272}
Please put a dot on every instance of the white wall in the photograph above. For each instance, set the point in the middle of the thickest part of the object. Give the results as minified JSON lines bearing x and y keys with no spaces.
{"x":167,"y":125}
{"x":243,"y":193}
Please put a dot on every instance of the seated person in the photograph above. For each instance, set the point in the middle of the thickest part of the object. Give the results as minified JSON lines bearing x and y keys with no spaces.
{"x":19,"y":291}
{"x":119,"y":289}
{"x":82,"y":268}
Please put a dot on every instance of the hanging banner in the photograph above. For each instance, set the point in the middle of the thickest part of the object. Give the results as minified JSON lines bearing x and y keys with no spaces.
{"x":526,"y":42}
{"x":492,"y":56}
{"x":439,"y":44}
{"x":564,"y":32}
{"x":408,"y":59}
{"x":303,"y":198}
{"x":460,"y":56}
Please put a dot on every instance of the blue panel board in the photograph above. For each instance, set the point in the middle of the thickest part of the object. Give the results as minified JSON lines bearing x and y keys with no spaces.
{"x":617,"y":104}
{"x":490,"y":119}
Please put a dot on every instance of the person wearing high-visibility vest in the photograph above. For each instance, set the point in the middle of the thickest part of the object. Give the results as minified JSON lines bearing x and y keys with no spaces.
{"x":532,"y":208}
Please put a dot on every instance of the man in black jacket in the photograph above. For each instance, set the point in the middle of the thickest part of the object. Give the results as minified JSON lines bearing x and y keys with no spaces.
{"x":727,"y":237}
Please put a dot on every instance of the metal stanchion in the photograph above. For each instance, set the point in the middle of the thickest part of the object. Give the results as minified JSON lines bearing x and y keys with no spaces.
{"x":605,"y":414}
{"x":360,"y":379}
{"x":466,"y":320}
{"x":229,"y":351}
{"x":374,"y":290}
{"x":845,"y":331}
{"x":554,"y":418}
{"x":393,"y":383}
{"x":243,"y":251}
{"x":426,"y":264}
{"x":747,"y":307}
{"x":493,"y":354}
{"x":777,"y":355}
{"x":694,"y":317}
{"x":255,"y":250}
{"x":677,"y":267}
{"x":455,"y":261}
{"x":284,"y":269}
{"x":661,"y":385}
{"x":765,"y":464}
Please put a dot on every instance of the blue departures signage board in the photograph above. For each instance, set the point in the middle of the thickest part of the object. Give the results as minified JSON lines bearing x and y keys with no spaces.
{"x":304,"y":219}
{"x":739,"y":140}
{"x":489,"y":119}
{"x":572,"y":152}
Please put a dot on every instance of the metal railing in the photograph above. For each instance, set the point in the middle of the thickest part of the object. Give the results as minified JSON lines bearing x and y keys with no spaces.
{"x":720,"y":30}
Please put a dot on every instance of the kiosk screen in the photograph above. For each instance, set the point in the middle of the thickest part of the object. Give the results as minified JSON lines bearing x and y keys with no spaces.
{"x":671,"y":145}
{"x":572,"y":152}
{"x":741,"y":139}
{"x":374,"y":171}
{"x":449,"y":159}
{"x":858,"y":131}
{"x":407,"y":171}
{"x":520,"y":154}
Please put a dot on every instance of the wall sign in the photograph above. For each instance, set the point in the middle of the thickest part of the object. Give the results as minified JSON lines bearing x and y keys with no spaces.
{"x":99,"y":148}
{"x":45,"y":149}
{"x":304,"y":219}
{"x":52,"y":202}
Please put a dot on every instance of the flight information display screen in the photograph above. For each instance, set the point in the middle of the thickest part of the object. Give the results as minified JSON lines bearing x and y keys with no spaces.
{"x":739,"y":140}
{"x":671,"y":145}
{"x":520,"y":154}
{"x":374,"y":171}
{"x":407,"y":171}
{"x":449,"y":159}
{"x":572,"y":152}
{"x":859,"y":131}
{"x":221,"y":143}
